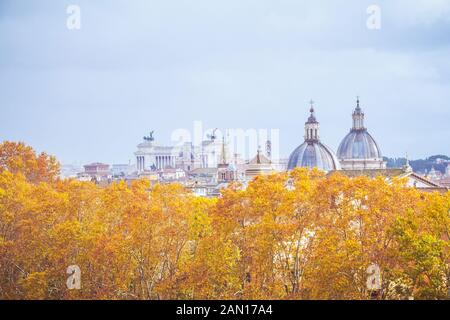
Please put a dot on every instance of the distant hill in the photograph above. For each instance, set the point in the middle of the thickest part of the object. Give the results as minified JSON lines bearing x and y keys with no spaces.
{"x":439,"y":162}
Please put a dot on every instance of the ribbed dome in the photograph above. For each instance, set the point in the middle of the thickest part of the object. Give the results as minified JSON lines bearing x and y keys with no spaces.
{"x":359,"y":144}
{"x":313,"y":154}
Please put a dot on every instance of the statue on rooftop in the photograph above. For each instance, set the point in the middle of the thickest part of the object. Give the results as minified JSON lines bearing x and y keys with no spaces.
{"x":150,"y":137}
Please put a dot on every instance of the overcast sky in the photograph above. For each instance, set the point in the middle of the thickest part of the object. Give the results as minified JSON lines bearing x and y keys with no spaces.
{"x":135,"y":66}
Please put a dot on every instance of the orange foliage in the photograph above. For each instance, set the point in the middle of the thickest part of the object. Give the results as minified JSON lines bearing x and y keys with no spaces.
{"x":297,"y":235}
{"x":20,"y":158}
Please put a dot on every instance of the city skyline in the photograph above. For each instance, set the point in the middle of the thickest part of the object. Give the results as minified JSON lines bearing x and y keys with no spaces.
{"x":224,"y":155}
{"x":91,"y":94}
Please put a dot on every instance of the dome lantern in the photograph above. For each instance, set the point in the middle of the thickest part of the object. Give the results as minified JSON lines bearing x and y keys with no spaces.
{"x":358,"y":117}
{"x":312,"y":126}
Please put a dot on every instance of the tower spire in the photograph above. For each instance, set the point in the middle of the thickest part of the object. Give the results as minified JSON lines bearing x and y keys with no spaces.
{"x":223,"y":156}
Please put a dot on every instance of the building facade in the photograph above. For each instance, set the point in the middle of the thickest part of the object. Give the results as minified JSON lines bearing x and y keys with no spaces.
{"x":151,"y":156}
{"x":96,"y":171}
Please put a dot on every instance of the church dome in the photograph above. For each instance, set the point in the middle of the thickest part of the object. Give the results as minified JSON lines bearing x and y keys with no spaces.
{"x":313,"y":153}
{"x":359,"y":145}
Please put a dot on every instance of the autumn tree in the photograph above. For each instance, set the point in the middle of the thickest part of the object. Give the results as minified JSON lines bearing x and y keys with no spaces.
{"x":20,"y":158}
{"x":298,"y":235}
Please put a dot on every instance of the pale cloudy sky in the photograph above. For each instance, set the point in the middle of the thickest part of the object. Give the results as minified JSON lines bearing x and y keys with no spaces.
{"x":91,"y":94}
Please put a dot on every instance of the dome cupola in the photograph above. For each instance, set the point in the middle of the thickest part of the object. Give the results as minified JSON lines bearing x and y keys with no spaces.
{"x":313,"y":153}
{"x":359,"y":150}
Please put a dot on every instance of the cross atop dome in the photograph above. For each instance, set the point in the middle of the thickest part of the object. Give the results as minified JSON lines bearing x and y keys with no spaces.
{"x":358,"y":108}
{"x":312,"y":117}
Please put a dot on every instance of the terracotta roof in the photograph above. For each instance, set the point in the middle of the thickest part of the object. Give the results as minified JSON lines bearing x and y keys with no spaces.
{"x":388,"y":173}
{"x":434,"y":189}
{"x":422,"y":178}
{"x":394,"y":173}
{"x":260,"y":159}
{"x":445,"y":182}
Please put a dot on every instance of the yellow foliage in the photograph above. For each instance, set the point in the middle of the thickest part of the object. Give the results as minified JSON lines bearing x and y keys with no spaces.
{"x":297,"y":235}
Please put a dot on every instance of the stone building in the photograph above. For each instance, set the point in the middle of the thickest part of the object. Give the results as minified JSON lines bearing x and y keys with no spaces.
{"x":259,"y":165}
{"x":152,"y":156}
